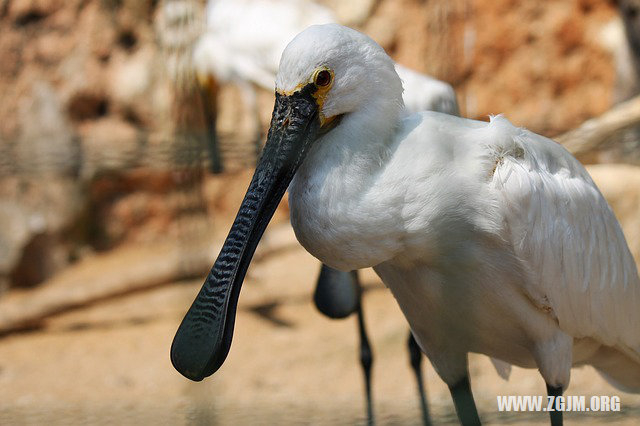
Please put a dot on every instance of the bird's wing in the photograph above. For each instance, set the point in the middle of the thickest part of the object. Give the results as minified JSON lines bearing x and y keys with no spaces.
{"x":562,"y":228}
{"x":424,"y":93}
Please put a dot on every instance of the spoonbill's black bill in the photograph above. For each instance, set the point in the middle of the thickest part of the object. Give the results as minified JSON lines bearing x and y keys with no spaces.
{"x":203,"y":339}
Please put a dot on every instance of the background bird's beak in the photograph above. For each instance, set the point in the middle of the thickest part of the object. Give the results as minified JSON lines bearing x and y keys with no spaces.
{"x":203,"y":339}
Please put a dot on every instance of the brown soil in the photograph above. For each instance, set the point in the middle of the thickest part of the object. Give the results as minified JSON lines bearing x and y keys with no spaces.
{"x":109,"y":364}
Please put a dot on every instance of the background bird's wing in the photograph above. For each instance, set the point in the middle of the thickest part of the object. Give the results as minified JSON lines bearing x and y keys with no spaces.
{"x":424,"y":93}
{"x":564,"y":230}
{"x":259,"y":30}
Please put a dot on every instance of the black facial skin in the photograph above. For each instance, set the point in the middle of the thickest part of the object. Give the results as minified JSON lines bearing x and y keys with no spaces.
{"x":203,"y":339}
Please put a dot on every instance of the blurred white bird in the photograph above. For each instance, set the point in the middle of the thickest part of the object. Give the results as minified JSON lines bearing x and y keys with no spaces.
{"x":424,"y":93}
{"x":244,"y":39}
{"x":492,"y":239}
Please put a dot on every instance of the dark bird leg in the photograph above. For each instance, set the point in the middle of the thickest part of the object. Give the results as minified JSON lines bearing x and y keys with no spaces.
{"x":556,"y":416}
{"x":251,"y":102}
{"x":464,"y":403}
{"x":366,"y":355}
{"x":339,"y":294}
{"x":208,"y":92}
{"x":415,"y":357}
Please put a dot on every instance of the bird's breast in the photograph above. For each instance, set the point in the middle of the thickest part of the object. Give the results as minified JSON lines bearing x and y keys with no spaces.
{"x":339,"y":224}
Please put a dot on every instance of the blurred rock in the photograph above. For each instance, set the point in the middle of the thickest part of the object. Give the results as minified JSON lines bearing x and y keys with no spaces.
{"x":42,"y":200}
{"x":86,"y":105}
{"x":130,"y":80}
{"x":621,"y":36}
{"x":109,"y":144}
{"x":51,"y":204}
{"x":14,"y":233}
{"x":40,"y":221}
{"x":144,"y":206}
{"x":613,"y":38}
{"x":47,"y":144}
{"x":627,"y":48}
{"x":24,"y":12}
{"x":352,"y":13}
{"x":50,"y":48}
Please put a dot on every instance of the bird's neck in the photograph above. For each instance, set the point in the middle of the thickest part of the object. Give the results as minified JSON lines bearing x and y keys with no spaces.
{"x":346,"y":162}
{"x":358,"y":148}
{"x":328,"y":195}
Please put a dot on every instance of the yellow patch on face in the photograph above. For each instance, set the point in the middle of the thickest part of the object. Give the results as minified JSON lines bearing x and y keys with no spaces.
{"x":292,"y":91}
{"x":320,"y":94}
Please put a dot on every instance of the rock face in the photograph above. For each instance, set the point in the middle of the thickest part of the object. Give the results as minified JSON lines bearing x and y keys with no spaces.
{"x":41,"y":197}
{"x":79,"y":86}
{"x":540,"y":63}
{"x":630,"y":19}
{"x":622,"y":38}
{"x":101,"y":132}
{"x":110,"y":59}
{"x":47,"y":144}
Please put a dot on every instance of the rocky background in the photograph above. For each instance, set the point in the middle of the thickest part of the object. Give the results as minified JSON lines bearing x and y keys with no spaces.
{"x":90,"y":92}
{"x":103,"y":169}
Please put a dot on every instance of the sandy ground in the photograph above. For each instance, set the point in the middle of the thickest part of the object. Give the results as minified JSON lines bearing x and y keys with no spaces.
{"x":109,"y":364}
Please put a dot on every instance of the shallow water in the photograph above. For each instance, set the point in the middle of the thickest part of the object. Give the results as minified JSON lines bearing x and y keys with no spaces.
{"x":136,"y":414}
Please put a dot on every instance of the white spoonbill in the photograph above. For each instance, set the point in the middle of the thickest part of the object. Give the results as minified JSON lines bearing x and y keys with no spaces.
{"x":492,"y":239}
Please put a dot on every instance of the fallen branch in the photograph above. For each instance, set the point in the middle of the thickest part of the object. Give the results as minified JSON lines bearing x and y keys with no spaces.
{"x":592,"y":135}
{"x":100,"y":277}
{"x":120,"y":272}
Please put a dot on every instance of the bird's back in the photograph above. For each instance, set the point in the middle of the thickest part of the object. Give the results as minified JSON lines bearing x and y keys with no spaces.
{"x":560,"y":225}
{"x":538,"y":197}
{"x":477,"y":182}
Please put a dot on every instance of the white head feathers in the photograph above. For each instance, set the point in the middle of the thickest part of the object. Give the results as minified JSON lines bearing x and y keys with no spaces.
{"x":362,"y":69}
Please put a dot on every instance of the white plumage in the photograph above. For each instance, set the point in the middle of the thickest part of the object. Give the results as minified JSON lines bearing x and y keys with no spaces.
{"x":492,"y":239}
{"x":244,"y":40}
{"x":424,"y":93}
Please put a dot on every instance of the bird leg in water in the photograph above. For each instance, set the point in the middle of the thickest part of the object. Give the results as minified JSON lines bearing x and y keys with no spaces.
{"x":556,"y":416}
{"x":464,"y":403}
{"x":366,"y":355}
{"x":415,"y":357}
{"x":339,"y":294}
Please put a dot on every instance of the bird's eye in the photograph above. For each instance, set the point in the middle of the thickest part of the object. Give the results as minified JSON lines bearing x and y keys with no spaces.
{"x":323,"y":78}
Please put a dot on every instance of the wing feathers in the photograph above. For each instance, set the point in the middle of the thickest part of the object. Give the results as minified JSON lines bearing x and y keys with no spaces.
{"x":564,"y":230}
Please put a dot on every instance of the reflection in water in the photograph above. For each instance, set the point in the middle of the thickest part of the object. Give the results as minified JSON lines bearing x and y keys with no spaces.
{"x":197,"y":414}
